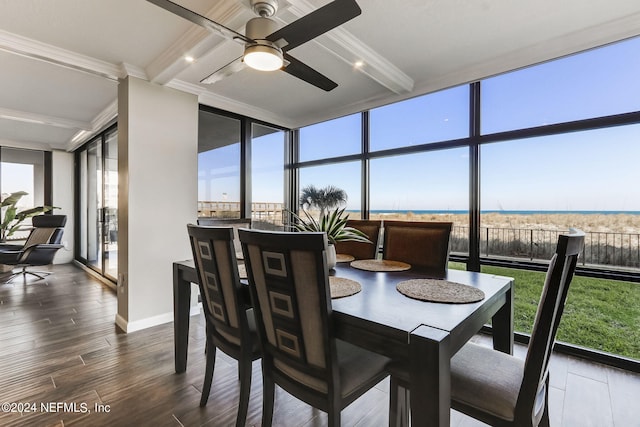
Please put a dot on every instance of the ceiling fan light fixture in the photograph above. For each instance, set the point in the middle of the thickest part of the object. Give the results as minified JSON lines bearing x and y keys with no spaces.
{"x":263,"y":57}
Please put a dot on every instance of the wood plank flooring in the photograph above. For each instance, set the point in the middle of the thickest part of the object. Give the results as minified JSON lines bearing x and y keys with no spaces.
{"x":60,"y":346}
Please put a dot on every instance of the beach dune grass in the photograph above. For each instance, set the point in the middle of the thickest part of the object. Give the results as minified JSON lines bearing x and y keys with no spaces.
{"x":599,"y":314}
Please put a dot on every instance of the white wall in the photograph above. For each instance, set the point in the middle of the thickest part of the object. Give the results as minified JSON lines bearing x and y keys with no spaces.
{"x":63,"y":197}
{"x":157,"y":197}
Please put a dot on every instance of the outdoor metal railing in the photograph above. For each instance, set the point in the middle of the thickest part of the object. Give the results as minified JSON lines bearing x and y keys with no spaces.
{"x":612,"y":249}
{"x":600,"y":248}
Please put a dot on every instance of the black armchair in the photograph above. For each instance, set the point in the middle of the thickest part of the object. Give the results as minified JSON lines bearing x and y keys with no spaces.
{"x":39,"y":249}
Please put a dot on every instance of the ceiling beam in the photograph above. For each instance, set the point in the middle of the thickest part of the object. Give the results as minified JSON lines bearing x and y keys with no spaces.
{"x":196,"y":42}
{"x":34,"y":49}
{"x":351,"y":50}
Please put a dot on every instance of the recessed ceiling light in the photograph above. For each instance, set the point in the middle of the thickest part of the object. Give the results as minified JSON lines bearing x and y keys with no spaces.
{"x":358,"y":64}
{"x":190,"y":59}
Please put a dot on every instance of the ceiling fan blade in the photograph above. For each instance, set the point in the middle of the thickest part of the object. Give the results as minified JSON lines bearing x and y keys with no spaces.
{"x":203,"y":21}
{"x":304,"y":72}
{"x":316,"y":23}
{"x":229,"y":69}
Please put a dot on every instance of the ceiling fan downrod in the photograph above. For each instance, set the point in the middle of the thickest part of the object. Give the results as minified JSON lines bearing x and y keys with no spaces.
{"x":264,"y":8}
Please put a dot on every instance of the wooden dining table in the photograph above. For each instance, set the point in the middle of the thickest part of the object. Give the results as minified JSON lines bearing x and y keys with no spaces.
{"x":424,"y":335}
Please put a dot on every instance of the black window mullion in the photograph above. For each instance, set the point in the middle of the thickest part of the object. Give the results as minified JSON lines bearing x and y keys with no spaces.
{"x":473,"y":264}
{"x":365,"y":200}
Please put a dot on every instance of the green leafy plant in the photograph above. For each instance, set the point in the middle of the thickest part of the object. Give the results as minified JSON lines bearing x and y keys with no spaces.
{"x":325,"y":198}
{"x":334,"y":223}
{"x":11,"y":218}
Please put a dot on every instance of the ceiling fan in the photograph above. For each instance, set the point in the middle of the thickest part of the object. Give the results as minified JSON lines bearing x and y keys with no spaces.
{"x":265,"y":46}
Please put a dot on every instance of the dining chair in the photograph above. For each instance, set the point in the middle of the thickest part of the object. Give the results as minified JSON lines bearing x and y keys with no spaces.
{"x":497,"y":388}
{"x":236,"y":223}
{"x":230,"y":322}
{"x":289,"y":284}
{"x":424,"y":245}
{"x":361,"y":250}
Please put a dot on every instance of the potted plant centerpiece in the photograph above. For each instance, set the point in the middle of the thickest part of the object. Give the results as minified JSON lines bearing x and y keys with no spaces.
{"x":332,"y":222}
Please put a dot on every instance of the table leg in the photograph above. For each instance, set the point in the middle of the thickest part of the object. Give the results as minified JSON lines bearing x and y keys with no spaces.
{"x":181,"y":307}
{"x":502,"y":324}
{"x":430,"y":383}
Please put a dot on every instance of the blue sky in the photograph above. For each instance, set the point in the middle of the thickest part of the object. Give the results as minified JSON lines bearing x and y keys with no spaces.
{"x":594,"y":170}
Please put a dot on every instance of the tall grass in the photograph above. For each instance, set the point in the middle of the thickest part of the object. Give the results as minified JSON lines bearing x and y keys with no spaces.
{"x":599,"y":314}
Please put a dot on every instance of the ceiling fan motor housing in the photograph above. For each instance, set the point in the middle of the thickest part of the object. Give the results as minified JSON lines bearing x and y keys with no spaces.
{"x":259,"y":28}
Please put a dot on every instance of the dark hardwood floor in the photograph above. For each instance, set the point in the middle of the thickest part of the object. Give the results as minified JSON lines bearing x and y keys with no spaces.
{"x":60,"y":348}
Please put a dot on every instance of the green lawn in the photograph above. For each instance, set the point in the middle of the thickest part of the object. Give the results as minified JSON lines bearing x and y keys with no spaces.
{"x":599,"y":314}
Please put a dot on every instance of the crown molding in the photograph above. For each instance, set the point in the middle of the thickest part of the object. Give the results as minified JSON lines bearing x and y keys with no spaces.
{"x":350,"y":49}
{"x":127,"y":70}
{"x":29,"y":145}
{"x":196,"y":42}
{"x":98,"y":123}
{"x":34,"y":49}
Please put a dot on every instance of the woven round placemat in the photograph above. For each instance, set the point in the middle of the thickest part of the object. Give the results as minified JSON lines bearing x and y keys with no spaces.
{"x":436,"y":290}
{"x":341,"y":287}
{"x":380,"y":265}
{"x":344,"y":258}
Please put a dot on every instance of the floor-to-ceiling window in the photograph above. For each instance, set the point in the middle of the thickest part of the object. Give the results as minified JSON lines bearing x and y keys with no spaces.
{"x":268,"y":178}
{"x":513,"y":161}
{"x":97,"y":237}
{"x":26,"y":171}
{"x":241,"y":168}
{"x":218,"y":165}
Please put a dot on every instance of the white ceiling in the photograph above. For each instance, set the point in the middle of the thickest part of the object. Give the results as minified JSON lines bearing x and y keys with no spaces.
{"x":61,"y":60}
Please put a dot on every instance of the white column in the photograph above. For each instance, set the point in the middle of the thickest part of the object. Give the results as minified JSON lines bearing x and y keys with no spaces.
{"x":157,"y":197}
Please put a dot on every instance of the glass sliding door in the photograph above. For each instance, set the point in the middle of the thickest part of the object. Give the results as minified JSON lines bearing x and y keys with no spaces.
{"x":94,"y":204}
{"x":98,"y":202}
{"x":110,"y":217}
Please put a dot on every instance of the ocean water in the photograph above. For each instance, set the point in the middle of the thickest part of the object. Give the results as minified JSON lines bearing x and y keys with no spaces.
{"x":391,"y":211}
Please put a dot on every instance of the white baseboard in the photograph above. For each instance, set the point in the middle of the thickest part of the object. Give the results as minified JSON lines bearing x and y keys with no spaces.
{"x":138,"y":325}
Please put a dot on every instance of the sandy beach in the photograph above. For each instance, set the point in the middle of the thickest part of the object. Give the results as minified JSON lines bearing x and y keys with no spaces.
{"x":607,"y":223}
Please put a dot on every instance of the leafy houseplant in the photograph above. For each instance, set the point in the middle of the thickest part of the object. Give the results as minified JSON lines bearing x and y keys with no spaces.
{"x":325,"y":198}
{"x":334,"y":224}
{"x":11,"y":218}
